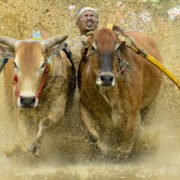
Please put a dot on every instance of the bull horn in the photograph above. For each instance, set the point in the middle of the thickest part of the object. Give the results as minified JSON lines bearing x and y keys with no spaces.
{"x":10,"y":42}
{"x":48,"y":43}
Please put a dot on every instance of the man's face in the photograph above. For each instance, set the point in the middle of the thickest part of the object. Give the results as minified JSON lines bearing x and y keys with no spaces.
{"x":88,"y":21}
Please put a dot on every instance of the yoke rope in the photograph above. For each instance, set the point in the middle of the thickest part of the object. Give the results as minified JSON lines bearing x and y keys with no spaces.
{"x":130,"y":43}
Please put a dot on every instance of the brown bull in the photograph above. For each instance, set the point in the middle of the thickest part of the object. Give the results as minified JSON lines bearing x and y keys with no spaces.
{"x":112,"y":99}
{"x":40,"y":91}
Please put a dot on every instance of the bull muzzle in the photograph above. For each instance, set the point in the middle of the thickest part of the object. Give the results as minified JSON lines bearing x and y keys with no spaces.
{"x":27,"y":102}
{"x":106,"y":79}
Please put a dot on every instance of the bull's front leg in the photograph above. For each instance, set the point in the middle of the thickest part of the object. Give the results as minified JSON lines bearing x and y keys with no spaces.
{"x":56,"y":112}
{"x":44,"y":125}
{"x":88,"y":123}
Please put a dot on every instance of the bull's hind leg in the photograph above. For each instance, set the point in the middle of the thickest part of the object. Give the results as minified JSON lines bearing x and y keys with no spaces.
{"x":147,"y":113}
{"x":149,"y":129}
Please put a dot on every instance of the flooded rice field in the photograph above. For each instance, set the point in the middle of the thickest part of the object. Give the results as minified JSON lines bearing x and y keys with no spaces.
{"x":67,"y":152}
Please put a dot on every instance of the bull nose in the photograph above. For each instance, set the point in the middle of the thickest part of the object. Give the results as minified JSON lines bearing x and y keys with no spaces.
{"x":107,"y":79}
{"x":27,"y":102}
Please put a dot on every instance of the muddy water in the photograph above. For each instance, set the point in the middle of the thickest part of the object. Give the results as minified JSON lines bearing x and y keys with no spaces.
{"x":67,"y":153}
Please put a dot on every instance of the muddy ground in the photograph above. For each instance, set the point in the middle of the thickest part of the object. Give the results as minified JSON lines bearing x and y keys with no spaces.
{"x":70,"y":155}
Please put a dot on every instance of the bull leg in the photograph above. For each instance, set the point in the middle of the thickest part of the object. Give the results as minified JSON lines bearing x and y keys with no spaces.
{"x":148,"y":112}
{"x":55,"y":114}
{"x":44,"y":125}
{"x":131,"y":132}
{"x":91,"y":129}
{"x":130,"y":138}
{"x":150,"y":129}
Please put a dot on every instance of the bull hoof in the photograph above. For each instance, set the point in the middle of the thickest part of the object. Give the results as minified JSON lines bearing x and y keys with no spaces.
{"x":13,"y":150}
{"x":93,"y":138}
{"x":34,"y":149}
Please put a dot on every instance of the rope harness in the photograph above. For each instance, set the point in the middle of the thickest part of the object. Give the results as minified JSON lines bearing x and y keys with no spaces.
{"x":124,"y":66}
{"x":48,"y":67}
{"x":15,"y":80}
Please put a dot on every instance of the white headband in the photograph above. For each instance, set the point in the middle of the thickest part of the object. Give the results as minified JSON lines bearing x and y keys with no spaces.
{"x":80,"y":11}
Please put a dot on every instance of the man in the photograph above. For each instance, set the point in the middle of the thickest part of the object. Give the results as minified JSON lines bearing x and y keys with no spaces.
{"x":86,"y":21}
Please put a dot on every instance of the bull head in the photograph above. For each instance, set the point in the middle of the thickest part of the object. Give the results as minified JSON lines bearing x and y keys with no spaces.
{"x":30,"y":64}
{"x":104,"y":43}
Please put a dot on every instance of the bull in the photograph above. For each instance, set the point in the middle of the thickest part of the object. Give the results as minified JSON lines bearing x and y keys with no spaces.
{"x":117,"y":86}
{"x":40,"y":91}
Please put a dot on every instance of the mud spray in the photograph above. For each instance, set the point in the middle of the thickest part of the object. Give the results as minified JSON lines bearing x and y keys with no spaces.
{"x":69,"y":155}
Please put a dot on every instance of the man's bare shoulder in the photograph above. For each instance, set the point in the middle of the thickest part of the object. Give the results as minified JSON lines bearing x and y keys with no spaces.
{"x":74,"y":41}
{"x":76,"y":46}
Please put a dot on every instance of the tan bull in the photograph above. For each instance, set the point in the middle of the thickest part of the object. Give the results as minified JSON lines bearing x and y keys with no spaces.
{"x":112,"y":100}
{"x":40,"y":91}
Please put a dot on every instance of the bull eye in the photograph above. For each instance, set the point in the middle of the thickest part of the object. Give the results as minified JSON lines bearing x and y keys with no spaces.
{"x":93,"y":48}
{"x":43,"y":65}
{"x":15,"y":65}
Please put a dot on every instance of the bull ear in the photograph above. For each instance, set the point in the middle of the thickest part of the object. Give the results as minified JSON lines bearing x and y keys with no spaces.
{"x":53,"y":50}
{"x":94,"y":45}
{"x":121,"y":38}
{"x":120,"y":41}
{"x":6,"y":51}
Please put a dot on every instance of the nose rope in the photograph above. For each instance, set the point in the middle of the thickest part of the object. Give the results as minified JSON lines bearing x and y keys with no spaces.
{"x":121,"y":71}
{"x":15,"y":80}
{"x":43,"y":80}
{"x":124,"y":67}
